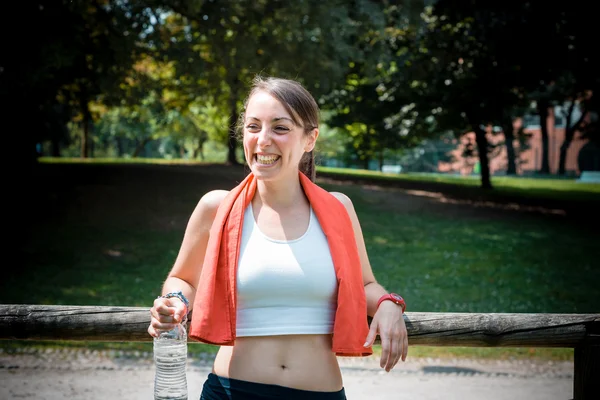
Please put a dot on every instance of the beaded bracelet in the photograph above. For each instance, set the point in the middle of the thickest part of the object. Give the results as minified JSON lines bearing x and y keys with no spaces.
{"x":180,"y":296}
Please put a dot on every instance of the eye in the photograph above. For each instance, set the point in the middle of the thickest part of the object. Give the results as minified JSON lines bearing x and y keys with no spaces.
{"x":252,"y":127}
{"x":281,"y":129}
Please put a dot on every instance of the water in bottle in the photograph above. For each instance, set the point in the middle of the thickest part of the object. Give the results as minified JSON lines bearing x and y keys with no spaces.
{"x":170,"y":356}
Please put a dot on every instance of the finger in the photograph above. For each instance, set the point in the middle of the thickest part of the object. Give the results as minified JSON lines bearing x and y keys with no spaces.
{"x":173,"y":308}
{"x":155,"y":329}
{"x":163,"y":307}
{"x":162,"y":317}
{"x":160,"y":321}
{"x":166,"y":319}
{"x":399,"y":351}
{"x":151,"y":331}
{"x":180,"y":308}
{"x":372,"y":334}
{"x":385,"y":350}
{"x":394,"y":354}
{"x":176,"y":307}
{"x":162,"y":326}
{"x":404,"y":347}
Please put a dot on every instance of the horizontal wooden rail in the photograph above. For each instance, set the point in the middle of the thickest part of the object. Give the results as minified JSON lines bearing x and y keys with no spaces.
{"x":129,"y":324}
{"x":105,"y":323}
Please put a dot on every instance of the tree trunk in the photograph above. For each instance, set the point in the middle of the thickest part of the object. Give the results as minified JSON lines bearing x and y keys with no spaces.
{"x":140,"y":147}
{"x":55,"y":146}
{"x":119,"y":146}
{"x":85,"y":111}
{"x":509,"y":139}
{"x":543,"y":111}
{"x":482,"y":150}
{"x":482,"y":147}
{"x":198,"y":149}
{"x":570,"y":130}
{"x":366,"y":162}
{"x":92,"y":147}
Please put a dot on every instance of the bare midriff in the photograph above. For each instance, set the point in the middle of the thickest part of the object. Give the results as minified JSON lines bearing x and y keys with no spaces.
{"x":298,"y":361}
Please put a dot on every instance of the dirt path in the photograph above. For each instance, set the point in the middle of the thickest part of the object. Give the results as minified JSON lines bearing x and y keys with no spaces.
{"x":76,"y":374}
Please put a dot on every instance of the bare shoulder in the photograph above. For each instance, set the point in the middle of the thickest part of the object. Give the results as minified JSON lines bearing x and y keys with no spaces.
{"x":188,"y":264}
{"x":213,"y":199}
{"x":207,"y":207}
{"x":344,"y":199}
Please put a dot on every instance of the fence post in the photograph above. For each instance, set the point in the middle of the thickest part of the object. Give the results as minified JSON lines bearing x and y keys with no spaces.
{"x":586,"y":384}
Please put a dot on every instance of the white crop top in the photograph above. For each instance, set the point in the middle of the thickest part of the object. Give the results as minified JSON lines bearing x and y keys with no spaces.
{"x":285,"y":287}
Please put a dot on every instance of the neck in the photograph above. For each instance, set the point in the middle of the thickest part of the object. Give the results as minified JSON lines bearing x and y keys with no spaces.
{"x":281,"y":193}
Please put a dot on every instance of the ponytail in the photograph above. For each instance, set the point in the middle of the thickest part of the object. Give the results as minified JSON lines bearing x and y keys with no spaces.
{"x":307,"y":165}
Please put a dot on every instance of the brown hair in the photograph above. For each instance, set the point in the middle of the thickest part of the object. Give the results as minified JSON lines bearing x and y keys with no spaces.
{"x":298,"y":102}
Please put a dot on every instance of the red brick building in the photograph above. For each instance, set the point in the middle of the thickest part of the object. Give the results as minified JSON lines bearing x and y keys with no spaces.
{"x":529,"y":158}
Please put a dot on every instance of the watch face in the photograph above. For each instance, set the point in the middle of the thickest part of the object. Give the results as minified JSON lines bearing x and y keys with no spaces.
{"x":396,"y":297}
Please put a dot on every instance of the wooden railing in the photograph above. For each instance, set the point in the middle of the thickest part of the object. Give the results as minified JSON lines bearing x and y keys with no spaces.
{"x":129,"y":324}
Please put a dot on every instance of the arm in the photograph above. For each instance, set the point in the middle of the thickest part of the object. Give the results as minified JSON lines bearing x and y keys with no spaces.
{"x":387,"y":319}
{"x":186,"y":270}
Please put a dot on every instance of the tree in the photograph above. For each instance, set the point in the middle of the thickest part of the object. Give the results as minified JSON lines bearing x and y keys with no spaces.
{"x":375,"y":106}
{"x":79,"y":50}
{"x":557,"y":62}
{"x":218,"y":47}
{"x":478,"y":60}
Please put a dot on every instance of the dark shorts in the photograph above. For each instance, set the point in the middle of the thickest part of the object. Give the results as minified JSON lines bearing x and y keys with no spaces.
{"x":219,"y":388}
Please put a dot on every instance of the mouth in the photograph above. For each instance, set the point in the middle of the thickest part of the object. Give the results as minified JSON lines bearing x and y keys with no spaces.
{"x":266,"y":159}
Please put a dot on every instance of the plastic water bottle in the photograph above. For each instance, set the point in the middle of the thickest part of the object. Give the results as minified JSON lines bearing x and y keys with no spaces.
{"x":170,"y":357}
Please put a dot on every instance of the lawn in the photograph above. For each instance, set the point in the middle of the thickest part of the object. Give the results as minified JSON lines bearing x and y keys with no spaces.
{"x":107,"y":235}
{"x":507,"y":187}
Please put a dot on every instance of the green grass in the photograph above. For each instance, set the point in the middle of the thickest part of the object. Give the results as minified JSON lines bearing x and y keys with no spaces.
{"x":110,"y":239}
{"x":444,"y":263}
{"x":451,"y":264}
{"x":200,"y":349}
{"x":488,"y":353}
{"x":17,"y":346}
{"x":528,"y":187}
{"x":113,"y":160}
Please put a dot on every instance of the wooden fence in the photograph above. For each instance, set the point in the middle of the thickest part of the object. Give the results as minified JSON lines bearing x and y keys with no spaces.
{"x":129,"y":324}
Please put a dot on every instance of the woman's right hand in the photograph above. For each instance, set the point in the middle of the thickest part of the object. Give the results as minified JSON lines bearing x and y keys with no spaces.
{"x":165,"y":314}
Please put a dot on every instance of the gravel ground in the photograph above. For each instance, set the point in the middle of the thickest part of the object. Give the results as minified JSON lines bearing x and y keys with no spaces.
{"x":93,"y":375}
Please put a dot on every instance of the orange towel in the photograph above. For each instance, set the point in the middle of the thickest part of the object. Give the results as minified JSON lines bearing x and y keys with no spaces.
{"x":214,"y":311}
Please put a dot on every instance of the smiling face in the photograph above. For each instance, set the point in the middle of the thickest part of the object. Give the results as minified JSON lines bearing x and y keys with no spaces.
{"x":273,"y":142}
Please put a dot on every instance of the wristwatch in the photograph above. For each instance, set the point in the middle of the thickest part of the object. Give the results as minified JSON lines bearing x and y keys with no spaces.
{"x":396,"y":298}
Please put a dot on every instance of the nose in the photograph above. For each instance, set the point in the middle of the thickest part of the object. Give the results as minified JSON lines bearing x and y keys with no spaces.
{"x":264,"y":137}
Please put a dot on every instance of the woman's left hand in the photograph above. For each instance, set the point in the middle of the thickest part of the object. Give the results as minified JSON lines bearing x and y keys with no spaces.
{"x":389,"y":323}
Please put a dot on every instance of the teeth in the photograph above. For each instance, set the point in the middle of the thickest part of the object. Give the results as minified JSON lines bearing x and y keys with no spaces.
{"x":266,"y":159}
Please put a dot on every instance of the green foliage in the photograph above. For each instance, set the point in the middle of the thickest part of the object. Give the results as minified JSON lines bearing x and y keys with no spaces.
{"x":130,"y":128}
{"x":389,"y":75}
{"x":369,"y":108}
{"x":79,"y":50}
{"x":232,"y":42}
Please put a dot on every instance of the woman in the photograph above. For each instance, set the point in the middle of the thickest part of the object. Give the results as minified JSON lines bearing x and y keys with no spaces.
{"x":277,"y":270}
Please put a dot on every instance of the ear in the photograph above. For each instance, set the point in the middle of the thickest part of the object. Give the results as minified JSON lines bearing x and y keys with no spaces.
{"x":311,"y":140}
